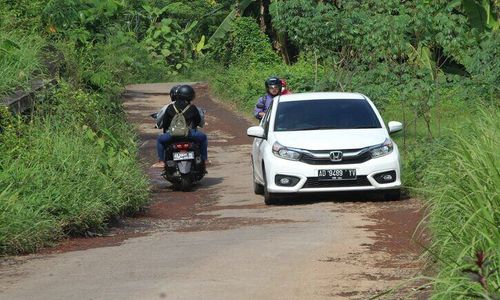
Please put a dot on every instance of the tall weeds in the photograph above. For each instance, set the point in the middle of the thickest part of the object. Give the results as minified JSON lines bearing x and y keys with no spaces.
{"x":18,"y":60}
{"x":67,"y":172}
{"x":465,"y":213}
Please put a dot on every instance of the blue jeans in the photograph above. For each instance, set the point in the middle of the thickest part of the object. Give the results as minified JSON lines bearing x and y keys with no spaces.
{"x":197,"y":135}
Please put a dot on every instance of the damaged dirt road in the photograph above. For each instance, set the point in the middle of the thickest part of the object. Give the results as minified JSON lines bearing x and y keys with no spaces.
{"x":220,"y":241}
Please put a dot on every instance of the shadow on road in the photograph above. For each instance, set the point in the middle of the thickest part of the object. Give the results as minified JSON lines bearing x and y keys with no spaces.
{"x":210,"y":181}
{"x":338,"y":197}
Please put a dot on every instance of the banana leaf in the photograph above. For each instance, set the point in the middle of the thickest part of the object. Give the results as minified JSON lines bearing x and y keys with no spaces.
{"x":480,"y":14}
{"x":225,"y":26}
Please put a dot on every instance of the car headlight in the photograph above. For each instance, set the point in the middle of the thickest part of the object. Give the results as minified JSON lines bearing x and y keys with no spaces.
{"x":285,"y":153}
{"x":383,"y":149}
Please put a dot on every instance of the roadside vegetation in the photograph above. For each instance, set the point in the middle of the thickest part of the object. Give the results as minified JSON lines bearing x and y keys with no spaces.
{"x":71,"y":166}
{"x":463,"y":199}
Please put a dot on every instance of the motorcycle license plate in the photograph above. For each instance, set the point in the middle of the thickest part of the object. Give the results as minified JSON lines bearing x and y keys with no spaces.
{"x":183,"y":155}
{"x":338,"y":174}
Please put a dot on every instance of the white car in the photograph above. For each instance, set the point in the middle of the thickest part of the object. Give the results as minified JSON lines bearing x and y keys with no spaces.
{"x":324,"y":142}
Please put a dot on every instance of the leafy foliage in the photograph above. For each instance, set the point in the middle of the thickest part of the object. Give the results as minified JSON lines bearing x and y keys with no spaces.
{"x":167,"y":40}
{"x":245,"y":45}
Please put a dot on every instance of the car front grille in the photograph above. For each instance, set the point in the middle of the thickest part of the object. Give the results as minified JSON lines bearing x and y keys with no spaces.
{"x":346,"y":160}
{"x":313,"y":182}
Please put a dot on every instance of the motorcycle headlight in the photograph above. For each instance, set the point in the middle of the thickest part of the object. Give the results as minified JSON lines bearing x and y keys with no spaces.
{"x":383,"y":149}
{"x":285,"y":153}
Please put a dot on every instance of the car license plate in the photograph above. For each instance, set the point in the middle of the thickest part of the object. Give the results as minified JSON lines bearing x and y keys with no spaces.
{"x":337,"y":174}
{"x":183,"y":155}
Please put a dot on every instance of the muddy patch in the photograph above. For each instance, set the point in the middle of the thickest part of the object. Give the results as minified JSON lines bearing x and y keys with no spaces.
{"x":396,"y":232}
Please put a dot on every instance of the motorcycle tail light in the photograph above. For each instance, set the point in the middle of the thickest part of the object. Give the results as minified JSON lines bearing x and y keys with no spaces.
{"x":183,"y":146}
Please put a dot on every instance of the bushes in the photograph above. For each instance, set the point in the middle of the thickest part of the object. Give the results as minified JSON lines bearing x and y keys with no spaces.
{"x":465,"y":212}
{"x":64,"y":184}
{"x":24,"y":228}
{"x":246,"y":45}
{"x":74,"y":168}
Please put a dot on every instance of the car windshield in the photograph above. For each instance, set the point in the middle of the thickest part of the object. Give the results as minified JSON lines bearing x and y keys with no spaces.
{"x":325,"y":114}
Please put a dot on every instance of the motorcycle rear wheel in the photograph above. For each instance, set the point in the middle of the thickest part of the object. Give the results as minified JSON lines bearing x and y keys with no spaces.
{"x":186,"y":184}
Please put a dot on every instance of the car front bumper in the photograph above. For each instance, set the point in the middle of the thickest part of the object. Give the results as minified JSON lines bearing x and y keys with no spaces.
{"x":308,"y":175}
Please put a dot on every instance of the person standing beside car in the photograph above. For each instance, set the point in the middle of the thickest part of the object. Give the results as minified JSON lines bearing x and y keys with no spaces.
{"x":273,"y":89}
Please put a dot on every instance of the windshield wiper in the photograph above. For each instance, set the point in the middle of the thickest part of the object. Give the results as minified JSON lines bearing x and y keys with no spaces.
{"x":313,"y":128}
{"x":308,"y":128}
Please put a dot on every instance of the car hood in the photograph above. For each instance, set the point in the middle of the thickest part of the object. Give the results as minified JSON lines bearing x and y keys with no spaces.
{"x":334,"y":139}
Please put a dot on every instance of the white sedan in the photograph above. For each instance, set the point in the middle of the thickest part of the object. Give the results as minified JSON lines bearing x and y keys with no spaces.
{"x":324,"y":142}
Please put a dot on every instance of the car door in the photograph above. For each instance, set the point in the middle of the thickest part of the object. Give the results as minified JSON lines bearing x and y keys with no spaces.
{"x":259,"y":145}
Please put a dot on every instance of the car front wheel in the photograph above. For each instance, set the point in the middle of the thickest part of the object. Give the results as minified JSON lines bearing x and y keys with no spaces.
{"x":258,"y":189}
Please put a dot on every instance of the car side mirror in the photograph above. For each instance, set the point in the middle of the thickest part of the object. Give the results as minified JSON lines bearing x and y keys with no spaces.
{"x":395,"y":126}
{"x":260,"y":106}
{"x":256,"y":132}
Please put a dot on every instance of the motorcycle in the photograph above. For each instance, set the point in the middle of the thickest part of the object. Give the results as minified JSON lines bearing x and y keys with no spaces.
{"x":183,"y":164}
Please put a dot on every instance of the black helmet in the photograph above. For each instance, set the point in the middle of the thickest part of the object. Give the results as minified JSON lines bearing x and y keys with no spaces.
{"x":185,"y":92}
{"x":173,"y":92}
{"x":273,"y":81}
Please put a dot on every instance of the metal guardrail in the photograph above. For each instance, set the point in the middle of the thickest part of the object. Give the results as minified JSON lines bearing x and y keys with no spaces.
{"x":22,"y":101}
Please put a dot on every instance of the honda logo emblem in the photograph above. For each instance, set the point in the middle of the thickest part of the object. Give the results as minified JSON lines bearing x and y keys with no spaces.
{"x":336,"y":155}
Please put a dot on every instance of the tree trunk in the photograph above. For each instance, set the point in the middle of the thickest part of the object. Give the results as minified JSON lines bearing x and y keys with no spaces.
{"x":282,"y":47}
{"x":262,"y":15}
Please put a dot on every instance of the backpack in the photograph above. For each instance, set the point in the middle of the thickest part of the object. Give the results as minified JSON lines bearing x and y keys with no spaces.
{"x":178,"y":126}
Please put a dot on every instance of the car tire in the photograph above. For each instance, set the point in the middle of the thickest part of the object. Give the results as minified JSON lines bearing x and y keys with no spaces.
{"x":258,"y":188}
{"x":186,"y":184}
{"x":392,"y":195}
{"x":269,"y":198}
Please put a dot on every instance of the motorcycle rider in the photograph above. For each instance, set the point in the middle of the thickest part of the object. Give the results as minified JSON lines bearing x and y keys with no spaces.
{"x":183,"y":96}
{"x":273,"y":88}
{"x":160,"y":114}
{"x":284,"y":88}
{"x":173,"y":92}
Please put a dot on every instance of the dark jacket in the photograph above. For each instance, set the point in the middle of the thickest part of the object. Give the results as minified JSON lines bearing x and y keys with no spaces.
{"x":192,"y":115}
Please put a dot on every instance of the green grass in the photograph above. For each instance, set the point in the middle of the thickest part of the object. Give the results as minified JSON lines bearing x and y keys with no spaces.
{"x":418,"y":148}
{"x":19,"y":59}
{"x":464,"y":204}
{"x":60,"y":177}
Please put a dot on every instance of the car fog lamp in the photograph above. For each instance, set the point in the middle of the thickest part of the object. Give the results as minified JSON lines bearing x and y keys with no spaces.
{"x":285,"y":181}
{"x":385,"y":177}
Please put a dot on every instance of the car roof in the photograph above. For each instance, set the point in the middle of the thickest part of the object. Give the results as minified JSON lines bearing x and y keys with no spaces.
{"x":322,"y":96}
